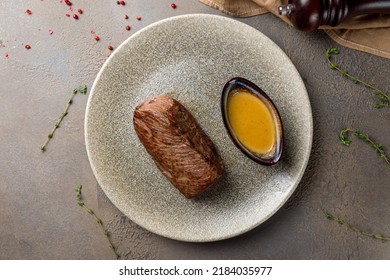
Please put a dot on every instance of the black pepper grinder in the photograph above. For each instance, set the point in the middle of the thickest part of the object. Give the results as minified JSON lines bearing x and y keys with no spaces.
{"x":308,"y":15}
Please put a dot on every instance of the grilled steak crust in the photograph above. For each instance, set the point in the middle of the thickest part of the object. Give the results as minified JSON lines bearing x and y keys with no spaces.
{"x":178,"y":145}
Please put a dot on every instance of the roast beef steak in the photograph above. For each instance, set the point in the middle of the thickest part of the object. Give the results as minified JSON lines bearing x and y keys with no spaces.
{"x":178,"y":145}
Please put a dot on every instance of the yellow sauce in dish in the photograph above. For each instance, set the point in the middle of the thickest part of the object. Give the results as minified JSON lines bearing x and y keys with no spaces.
{"x":251,"y":121}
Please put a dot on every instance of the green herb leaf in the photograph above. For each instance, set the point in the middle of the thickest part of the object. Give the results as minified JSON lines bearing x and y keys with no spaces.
{"x":106,"y":233}
{"x":355,"y":229}
{"x":343,"y":136}
{"x":329,"y":216}
{"x":381,"y":105}
{"x":385,"y":98}
{"x":81,"y":89}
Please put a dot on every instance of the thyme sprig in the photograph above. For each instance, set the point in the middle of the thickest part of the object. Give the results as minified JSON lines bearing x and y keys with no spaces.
{"x":106,"y":233}
{"x":383,"y":97}
{"x":364,"y":137}
{"x":80,"y":89}
{"x":330,"y":217}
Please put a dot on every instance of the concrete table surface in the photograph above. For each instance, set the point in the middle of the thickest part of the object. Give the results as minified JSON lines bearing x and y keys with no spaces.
{"x":39,"y":215}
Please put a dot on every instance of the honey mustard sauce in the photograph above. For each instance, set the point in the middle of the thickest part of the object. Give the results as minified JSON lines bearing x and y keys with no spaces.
{"x":252,"y":122}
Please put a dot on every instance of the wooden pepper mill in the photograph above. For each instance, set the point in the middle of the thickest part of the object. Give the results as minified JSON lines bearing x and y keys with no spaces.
{"x":308,"y":15}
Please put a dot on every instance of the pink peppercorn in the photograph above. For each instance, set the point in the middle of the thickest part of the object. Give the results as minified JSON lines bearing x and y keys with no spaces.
{"x":96,"y":38}
{"x":80,"y":11}
{"x":68,"y":15}
{"x":67,"y":2}
{"x":28,"y":12}
{"x":75,"y":16}
{"x":126,"y":16}
{"x":6,"y":55}
{"x":110,"y":48}
{"x":173,"y":5}
{"x":50,"y":32}
{"x":122,"y":3}
{"x":138,"y":18}
{"x":27,"y":47}
{"x":127,"y":27}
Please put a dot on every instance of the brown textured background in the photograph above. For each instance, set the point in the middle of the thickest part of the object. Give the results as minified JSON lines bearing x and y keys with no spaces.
{"x":39,"y":216}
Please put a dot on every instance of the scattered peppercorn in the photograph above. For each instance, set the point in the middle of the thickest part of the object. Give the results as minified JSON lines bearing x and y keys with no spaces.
{"x":75,"y":16}
{"x":68,"y":15}
{"x":96,"y":38}
{"x":138,"y":18}
{"x":127,"y":27}
{"x":122,"y":3}
{"x":110,"y":48}
{"x":28,"y":12}
{"x":67,"y":2}
{"x":80,"y":11}
{"x":126,"y":16}
{"x":50,"y":32}
{"x":27,"y":47}
{"x":173,"y":5}
{"x":118,"y":2}
{"x":6,"y":55}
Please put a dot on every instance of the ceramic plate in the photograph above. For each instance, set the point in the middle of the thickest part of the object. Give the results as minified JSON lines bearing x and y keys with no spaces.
{"x":191,"y":58}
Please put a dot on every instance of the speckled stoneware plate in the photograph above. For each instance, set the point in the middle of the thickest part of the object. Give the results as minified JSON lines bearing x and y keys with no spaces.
{"x":191,"y":58}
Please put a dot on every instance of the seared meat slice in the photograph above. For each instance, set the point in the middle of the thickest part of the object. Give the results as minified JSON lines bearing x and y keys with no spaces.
{"x":178,"y":145}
